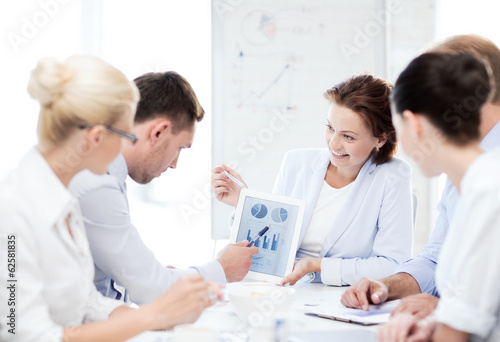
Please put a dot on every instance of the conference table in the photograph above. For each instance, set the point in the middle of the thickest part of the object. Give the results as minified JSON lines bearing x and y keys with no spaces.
{"x":299,"y":326}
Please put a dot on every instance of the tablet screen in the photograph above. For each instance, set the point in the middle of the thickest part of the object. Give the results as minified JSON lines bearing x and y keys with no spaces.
{"x":274,"y":246}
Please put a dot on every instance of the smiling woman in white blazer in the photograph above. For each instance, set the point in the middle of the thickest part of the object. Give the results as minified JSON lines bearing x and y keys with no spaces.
{"x":372,"y":232}
{"x":358,"y":217}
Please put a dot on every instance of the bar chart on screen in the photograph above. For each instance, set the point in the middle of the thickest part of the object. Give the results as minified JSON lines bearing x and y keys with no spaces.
{"x":274,"y":246}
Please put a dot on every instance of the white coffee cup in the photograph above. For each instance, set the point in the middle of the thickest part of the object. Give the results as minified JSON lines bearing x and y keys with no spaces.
{"x":192,"y":333}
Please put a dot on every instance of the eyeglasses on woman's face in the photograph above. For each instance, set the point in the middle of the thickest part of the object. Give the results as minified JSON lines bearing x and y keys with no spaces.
{"x":132,"y":137}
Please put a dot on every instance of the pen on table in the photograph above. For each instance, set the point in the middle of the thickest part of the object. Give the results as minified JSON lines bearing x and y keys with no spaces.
{"x":262,"y":232}
{"x":234,"y":179}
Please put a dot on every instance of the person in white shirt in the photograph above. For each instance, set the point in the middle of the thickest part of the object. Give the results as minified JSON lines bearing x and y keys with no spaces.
{"x":166,"y":119}
{"x":87,"y":108}
{"x":414,"y":281}
{"x":358,"y":219}
{"x":437,"y":101}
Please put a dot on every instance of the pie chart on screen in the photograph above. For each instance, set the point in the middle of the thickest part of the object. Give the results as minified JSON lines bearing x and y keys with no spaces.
{"x":279,"y":215}
{"x":259,"y":210}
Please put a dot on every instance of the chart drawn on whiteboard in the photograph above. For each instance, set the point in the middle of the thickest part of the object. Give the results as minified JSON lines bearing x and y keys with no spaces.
{"x":258,"y":27}
{"x":272,"y":91}
{"x":273,"y":61}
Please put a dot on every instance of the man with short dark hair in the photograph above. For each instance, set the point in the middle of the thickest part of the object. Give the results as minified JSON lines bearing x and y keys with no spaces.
{"x":165,"y":122}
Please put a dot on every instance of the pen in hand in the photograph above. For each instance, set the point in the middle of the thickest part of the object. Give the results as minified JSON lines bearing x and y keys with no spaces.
{"x":234,"y":179}
{"x":254,"y":240}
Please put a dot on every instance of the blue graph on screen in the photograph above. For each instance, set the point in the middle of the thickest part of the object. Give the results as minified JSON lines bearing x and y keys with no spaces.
{"x":259,"y":210}
{"x":274,"y":246}
{"x":265,"y":244}
{"x":279,"y":215}
{"x":249,"y":238}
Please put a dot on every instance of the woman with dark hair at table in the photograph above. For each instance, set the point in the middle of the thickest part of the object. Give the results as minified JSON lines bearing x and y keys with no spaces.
{"x":358,"y":216}
{"x":467,"y":274}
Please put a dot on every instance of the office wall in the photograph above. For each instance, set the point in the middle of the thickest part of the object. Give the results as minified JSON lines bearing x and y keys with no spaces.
{"x":272,"y":61}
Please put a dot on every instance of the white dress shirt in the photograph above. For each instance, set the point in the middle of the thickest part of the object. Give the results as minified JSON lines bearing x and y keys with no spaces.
{"x":423,"y":267}
{"x":54,"y":270}
{"x":120,"y":255}
{"x":468,"y":272}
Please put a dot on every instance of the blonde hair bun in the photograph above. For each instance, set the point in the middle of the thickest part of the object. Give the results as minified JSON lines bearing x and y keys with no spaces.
{"x":81,"y":90}
{"x":47,"y":81}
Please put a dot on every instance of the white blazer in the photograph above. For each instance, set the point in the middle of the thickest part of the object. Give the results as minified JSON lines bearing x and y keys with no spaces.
{"x":373,"y":232}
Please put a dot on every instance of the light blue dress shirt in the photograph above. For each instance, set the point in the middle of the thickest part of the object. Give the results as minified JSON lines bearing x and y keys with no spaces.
{"x":423,"y":267}
{"x":120,"y":256}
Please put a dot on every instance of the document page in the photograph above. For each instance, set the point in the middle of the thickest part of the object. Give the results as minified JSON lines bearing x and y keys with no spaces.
{"x":375,"y":315}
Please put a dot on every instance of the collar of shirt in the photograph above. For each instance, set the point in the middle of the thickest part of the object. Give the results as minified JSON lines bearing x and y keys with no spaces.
{"x":492,"y":139}
{"x":47,"y":195}
{"x":118,"y":169}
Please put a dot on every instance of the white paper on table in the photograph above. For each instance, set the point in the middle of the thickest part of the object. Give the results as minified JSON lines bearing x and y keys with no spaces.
{"x":376,"y":314}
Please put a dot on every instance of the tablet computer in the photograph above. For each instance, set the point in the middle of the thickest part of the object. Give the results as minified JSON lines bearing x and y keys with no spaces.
{"x":278,"y":246}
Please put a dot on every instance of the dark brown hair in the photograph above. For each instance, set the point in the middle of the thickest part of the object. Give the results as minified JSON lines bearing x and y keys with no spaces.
{"x":169,"y":95}
{"x":368,"y":96}
{"x":482,"y":48}
{"x":434,"y":85}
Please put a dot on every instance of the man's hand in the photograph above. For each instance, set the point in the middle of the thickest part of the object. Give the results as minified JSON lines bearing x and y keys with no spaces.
{"x":406,"y":327}
{"x":236,"y":260}
{"x":301,"y":268}
{"x":420,"y":305}
{"x":364,"y":292}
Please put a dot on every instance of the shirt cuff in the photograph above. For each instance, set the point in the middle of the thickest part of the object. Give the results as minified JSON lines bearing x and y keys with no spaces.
{"x":212,"y":271}
{"x":423,"y":271}
{"x":330,"y":271}
{"x":99,"y":308}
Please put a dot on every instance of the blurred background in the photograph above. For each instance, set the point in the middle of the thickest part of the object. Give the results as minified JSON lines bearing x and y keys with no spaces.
{"x":252,"y":63}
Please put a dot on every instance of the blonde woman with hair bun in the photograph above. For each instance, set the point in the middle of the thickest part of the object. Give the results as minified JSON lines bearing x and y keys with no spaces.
{"x":80,"y":91}
{"x":87,"y":110}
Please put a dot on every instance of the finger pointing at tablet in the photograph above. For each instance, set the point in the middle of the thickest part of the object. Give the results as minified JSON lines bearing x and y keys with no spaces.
{"x":235,"y":259}
{"x":262,"y":232}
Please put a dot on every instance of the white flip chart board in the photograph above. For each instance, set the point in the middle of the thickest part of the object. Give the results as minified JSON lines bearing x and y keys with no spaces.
{"x":272,"y":62}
